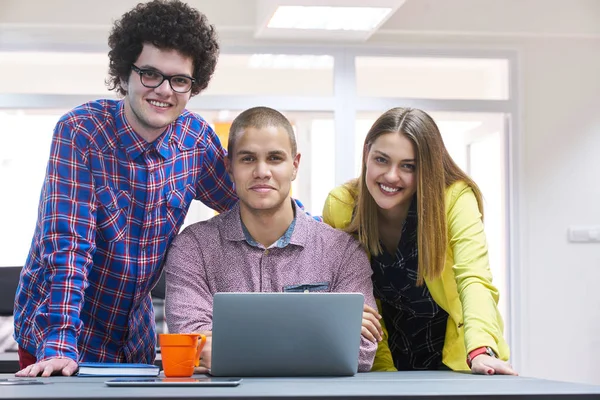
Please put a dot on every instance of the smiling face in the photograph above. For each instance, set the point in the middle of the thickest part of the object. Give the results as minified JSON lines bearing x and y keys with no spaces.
{"x":263,"y":167}
{"x":149,"y":111}
{"x":391,"y":174}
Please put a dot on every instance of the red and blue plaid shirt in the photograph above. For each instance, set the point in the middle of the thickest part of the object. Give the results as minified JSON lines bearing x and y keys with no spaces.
{"x":110,"y":205}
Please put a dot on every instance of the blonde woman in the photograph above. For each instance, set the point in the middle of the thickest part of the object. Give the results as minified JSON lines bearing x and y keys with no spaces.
{"x":421,"y":219}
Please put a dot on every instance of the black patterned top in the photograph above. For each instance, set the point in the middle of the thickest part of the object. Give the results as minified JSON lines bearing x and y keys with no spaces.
{"x":416,"y":324}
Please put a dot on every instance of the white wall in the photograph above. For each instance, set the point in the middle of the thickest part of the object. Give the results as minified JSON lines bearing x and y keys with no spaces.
{"x":560,"y":181}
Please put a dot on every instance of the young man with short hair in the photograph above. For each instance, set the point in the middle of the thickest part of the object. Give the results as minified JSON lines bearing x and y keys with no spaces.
{"x":263,"y":244}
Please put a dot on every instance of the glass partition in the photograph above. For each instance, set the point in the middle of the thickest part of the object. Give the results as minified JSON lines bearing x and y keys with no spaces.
{"x":432,"y":78}
{"x":272,"y":74}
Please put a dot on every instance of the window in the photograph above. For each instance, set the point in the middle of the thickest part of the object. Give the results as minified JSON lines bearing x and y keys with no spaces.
{"x":432,"y":78}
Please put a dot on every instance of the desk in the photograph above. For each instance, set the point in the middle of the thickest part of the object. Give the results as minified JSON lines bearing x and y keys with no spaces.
{"x":9,"y":362}
{"x":377,"y":385}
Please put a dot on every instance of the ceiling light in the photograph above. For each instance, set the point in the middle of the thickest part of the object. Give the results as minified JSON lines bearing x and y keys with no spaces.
{"x":328,"y":18}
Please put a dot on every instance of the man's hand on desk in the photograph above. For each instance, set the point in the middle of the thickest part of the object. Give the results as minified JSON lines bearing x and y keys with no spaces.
{"x":64,"y":366}
{"x":205,"y":355}
{"x":487,"y":365}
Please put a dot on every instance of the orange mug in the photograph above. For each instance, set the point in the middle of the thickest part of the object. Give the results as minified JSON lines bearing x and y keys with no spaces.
{"x":180,"y":353}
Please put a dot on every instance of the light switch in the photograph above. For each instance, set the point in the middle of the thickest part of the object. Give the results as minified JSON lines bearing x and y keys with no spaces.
{"x":582,"y":234}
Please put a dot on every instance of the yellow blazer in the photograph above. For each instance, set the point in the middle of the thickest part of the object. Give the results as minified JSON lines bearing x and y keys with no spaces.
{"x":464,"y":290}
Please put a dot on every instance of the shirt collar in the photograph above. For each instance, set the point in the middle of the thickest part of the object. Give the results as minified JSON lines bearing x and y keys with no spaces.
{"x":295,"y":234}
{"x":283,"y":241}
{"x":133,"y":144}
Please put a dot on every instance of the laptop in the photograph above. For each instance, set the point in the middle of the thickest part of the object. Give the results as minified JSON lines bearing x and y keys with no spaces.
{"x":286,"y":334}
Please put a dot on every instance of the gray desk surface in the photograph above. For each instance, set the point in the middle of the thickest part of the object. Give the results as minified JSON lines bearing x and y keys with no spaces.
{"x":9,"y":362}
{"x":382,"y":385}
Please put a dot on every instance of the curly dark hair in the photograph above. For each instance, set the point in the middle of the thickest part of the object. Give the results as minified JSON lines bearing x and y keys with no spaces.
{"x":166,"y":24}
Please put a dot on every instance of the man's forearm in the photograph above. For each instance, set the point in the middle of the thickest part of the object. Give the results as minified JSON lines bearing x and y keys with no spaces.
{"x":58,"y":344}
{"x":366,"y":355}
{"x":67,"y":245}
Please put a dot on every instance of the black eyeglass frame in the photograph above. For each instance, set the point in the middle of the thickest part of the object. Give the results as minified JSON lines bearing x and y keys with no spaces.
{"x":141,"y":72}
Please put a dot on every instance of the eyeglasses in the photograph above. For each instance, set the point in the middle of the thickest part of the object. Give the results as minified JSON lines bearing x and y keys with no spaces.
{"x":152,"y":79}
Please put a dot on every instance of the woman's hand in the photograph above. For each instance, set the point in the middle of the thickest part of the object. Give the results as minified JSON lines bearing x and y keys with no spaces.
{"x":371,"y":328}
{"x":487,"y":365}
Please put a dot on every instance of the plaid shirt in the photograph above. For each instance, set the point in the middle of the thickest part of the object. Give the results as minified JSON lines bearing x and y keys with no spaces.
{"x":416,"y":324}
{"x":110,"y":206}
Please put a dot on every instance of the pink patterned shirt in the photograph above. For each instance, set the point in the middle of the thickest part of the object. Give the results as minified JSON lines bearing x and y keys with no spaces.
{"x":214,"y":256}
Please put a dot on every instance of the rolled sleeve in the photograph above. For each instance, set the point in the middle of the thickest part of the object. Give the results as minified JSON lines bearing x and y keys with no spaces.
{"x":67,"y":218}
{"x":478,"y":295}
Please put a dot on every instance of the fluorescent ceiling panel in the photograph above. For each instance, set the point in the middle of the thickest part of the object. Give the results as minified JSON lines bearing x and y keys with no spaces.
{"x":331,"y":20}
{"x":328,"y":18}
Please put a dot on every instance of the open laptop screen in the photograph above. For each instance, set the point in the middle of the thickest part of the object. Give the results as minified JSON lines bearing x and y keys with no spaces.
{"x":286,"y":334}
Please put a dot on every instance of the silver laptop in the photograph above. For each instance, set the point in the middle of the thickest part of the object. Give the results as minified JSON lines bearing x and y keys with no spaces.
{"x":286,"y":334}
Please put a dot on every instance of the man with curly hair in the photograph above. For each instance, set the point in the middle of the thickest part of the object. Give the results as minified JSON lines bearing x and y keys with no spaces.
{"x":120,"y":179}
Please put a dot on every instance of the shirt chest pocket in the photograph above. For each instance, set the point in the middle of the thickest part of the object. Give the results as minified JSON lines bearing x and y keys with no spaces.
{"x":177,"y":202}
{"x":307,"y":287}
{"x":112,"y":213}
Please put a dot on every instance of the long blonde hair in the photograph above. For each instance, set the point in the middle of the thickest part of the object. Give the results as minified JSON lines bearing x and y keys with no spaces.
{"x":435,"y":172}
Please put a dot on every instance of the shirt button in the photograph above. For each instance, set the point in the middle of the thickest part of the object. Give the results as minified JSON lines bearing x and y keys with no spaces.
{"x":267,"y":252}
